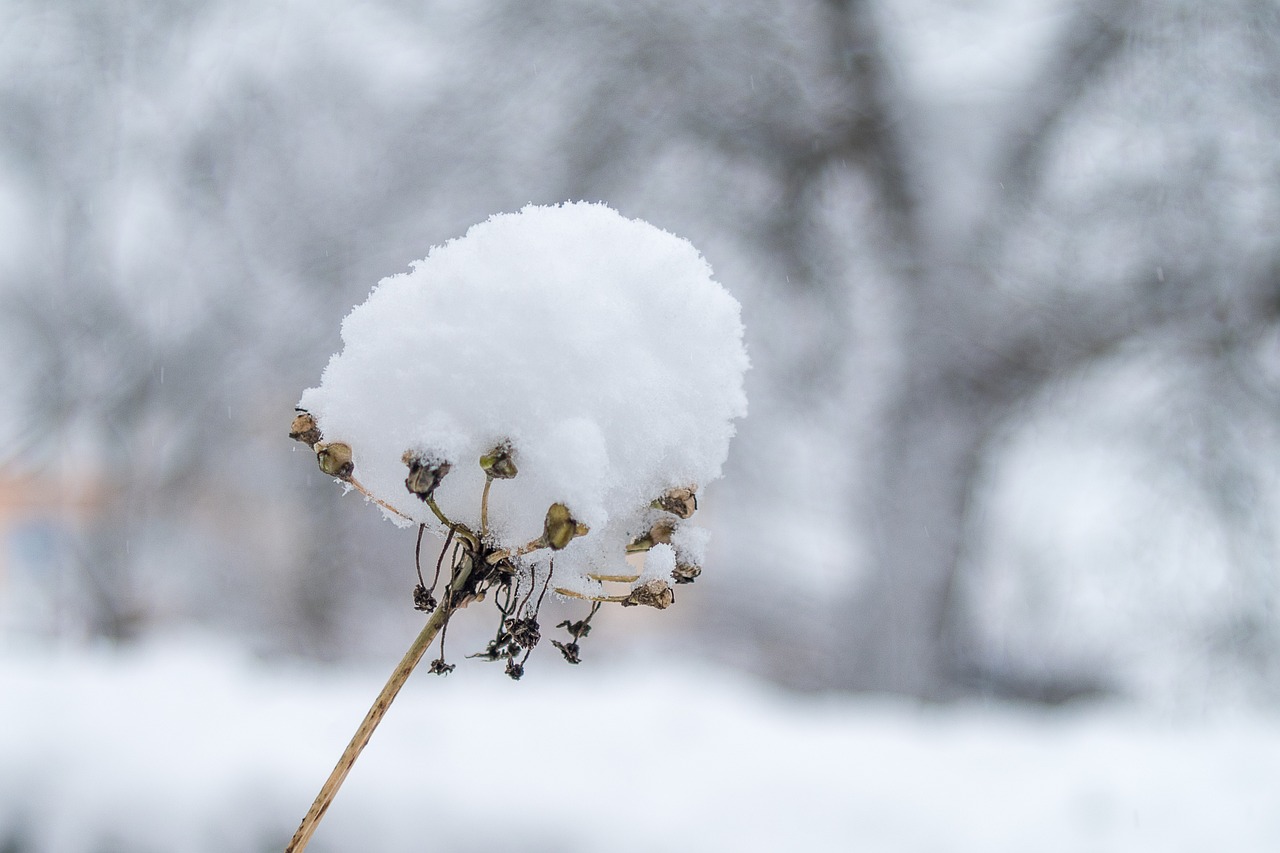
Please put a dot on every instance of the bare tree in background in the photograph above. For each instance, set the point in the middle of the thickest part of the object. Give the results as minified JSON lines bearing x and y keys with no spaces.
{"x":917,"y":272}
{"x":994,"y":300}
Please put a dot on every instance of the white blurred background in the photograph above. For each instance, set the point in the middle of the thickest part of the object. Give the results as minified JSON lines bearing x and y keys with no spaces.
{"x":995,"y":562}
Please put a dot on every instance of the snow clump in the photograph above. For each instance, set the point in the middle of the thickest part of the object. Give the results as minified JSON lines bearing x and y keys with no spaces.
{"x":594,"y":353}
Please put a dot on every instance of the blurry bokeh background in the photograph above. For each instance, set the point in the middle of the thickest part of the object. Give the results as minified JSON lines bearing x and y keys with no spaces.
{"x":1010,"y":272}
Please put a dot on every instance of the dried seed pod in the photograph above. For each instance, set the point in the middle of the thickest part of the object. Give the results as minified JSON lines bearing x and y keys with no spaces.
{"x":335,"y":460}
{"x":652,"y":593}
{"x":498,"y":463}
{"x":572,"y":653}
{"x":560,"y":527}
{"x":578,"y":629}
{"x":425,"y":474}
{"x":679,"y":502}
{"x":439,"y":667}
{"x":659,"y":533}
{"x":524,"y":632}
{"x":304,"y":429}
{"x":423,"y":600}
{"x":685,"y":572}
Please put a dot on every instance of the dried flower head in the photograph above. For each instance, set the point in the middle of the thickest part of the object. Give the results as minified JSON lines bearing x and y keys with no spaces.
{"x":545,"y":336}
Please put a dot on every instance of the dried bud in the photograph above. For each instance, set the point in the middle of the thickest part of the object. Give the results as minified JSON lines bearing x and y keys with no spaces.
{"x":685,"y":572}
{"x":679,"y":502}
{"x":335,"y":460}
{"x":423,"y":600}
{"x":439,"y":667}
{"x":652,"y":593}
{"x":572,"y":653}
{"x":561,"y":528}
{"x":304,"y":429}
{"x":498,"y":463}
{"x":660,"y":533}
{"x":578,"y":629}
{"x":524,"y":632}
{"x":424,"y":474}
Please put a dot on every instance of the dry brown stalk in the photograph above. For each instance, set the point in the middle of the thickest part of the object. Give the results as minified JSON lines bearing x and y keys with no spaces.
{"x":329,"y":790}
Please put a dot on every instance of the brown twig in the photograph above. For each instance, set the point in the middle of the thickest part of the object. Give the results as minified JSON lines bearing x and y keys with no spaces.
{"x":631,"y":578}
{"x":359,"y":487}
{"x":358,"y":742}
{"x":417,"y":556}
{"x":511,"y":553}
{"x":457,"y":527}
{"x":599,"y":599}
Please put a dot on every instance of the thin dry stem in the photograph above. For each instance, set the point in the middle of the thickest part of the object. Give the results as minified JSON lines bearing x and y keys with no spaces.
{"x":484,"y":506}
{"x":460,"y":529}
{"x":355,"y":484}
{"x":600,"y":599}
{"x":527,"y":548}
{"x":380,"y":705}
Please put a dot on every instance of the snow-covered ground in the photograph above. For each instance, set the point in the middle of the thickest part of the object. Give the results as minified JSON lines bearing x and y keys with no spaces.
{"x":185,"y":746}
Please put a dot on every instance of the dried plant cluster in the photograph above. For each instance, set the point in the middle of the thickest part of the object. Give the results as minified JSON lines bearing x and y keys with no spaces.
{"x":546,"y":394}
{"x":475,"y":568}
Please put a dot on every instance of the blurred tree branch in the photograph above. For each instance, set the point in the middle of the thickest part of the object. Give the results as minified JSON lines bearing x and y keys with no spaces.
{"x":920,"y":273}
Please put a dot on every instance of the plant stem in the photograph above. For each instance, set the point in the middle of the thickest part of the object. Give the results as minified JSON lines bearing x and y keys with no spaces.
{"x":359,"y":487}
{"x":460,"y":529}
{"x":484,"y":507}
{"x":598,"y":599}
{"x":507,"y":553}
{"x":379,"y":710}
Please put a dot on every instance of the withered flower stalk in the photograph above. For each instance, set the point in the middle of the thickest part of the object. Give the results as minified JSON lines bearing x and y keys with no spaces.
{"x":477,"y":566}
{"x":425,"y":638}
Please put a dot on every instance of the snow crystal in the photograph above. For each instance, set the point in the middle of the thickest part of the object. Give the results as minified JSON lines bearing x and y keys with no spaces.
{"x":599,"y":349}
{"x":690,"y":544}
{"x":660,"y":562}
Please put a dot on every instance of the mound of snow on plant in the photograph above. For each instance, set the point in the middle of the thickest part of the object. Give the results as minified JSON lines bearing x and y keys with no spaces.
{"x":599,"y":349}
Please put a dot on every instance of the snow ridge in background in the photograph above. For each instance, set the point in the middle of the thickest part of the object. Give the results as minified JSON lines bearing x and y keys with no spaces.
{"x":598,"y":347}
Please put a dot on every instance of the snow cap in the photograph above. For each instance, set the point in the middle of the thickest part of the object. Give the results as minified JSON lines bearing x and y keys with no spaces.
{"x":598,"y":350}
